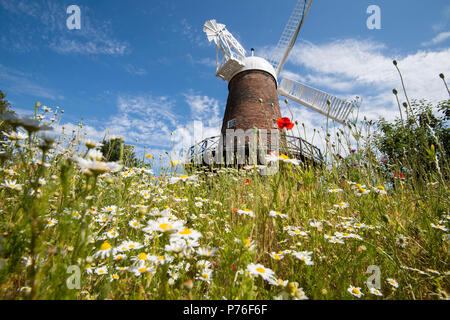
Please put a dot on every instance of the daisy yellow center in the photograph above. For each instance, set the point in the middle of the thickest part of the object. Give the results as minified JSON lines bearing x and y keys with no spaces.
{"x":380,"y":187}
{"x":292,"y":288}
{"x":101,"y":271}
{"x":205,"y":276}
{"x":358,"y":185}
{"x":183,"y":176}
{"x":132,"y":246}
{"x":284,"y":156}
{"x":115,"y":276}
{"x":105,"y":246}
{"x":161,"y":258}
{"x":362,"y":190}
{"x":355,"y":291}
{"x":142,"y":256}
{"x":186,"y":231}
{"x":276,"y":256}
{"x":261,"y":270}
{"x":135,"y":224}
{"x":341,"y":204}
{"x":164,"y":226}
{"x":143,"y":269}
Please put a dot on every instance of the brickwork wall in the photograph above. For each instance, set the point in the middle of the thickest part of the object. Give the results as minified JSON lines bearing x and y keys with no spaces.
{"x":244,"y":92}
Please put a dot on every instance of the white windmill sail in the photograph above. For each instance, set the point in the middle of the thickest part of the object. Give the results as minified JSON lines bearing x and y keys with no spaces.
{"x":316,"y":100}
{"x":232,"y":51}
{"x":309,"y":97}
{"x":289,"y":35}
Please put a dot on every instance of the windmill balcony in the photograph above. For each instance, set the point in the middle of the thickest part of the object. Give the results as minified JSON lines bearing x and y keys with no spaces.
{"x":214,"y":151}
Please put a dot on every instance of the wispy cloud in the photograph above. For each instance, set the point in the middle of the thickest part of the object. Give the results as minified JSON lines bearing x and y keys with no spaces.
{"x":441,"y":37}
{"x":44,"y":24}
{"x":193,"y":34}
{"x":207,"y":62}
{"x":18,"y":82}
{"x":351,"y":67}
{"x":135,"y":70}
{"x":204,"y":108}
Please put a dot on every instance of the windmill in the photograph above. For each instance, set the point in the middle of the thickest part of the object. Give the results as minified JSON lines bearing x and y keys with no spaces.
{"x":253,"y":81}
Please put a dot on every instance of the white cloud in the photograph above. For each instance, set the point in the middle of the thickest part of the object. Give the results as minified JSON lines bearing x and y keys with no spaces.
{"x":364,"y":68}
{"x":194,"y":35}
{"x":152,"y":121}
{"x":441,"y":37}
{"x":44,"y":24}
{"x":135,"y":70}
{"x":207,"y":62}
{"x":204,"y":108}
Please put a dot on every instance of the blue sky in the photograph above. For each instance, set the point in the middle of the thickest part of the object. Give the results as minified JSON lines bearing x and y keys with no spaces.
{"x":144,"y":69}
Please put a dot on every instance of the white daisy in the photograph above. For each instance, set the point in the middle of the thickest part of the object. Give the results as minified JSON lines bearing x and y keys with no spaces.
{"x":259,"y":270}
{"x":356,"y":291}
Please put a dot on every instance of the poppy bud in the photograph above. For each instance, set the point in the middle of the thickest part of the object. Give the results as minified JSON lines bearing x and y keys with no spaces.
{"x":286,"y":101}
{"x":405,"y":104}
{"x":441,"y":75}
{"x":260,"y":100}
{"x":394,"y":62}
{"x":394,"y":91}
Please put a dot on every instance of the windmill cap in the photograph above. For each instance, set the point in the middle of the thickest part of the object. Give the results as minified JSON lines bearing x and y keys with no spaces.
{"x":257,"y":63}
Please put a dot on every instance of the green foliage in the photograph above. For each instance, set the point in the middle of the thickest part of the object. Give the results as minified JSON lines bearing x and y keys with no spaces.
{"x":4,"y":110}
{"x":114,"y":147}
{"x":424,"y":137}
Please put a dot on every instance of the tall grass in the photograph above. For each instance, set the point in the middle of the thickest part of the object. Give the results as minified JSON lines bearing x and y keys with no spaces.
{"x":58,"y":210}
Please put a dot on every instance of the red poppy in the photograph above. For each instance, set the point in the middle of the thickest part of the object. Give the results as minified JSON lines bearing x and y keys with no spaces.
{"x":246,"y":181}
{"x":285,"y":123}
{"x":401,"y":175}
{"x":234,"y":209}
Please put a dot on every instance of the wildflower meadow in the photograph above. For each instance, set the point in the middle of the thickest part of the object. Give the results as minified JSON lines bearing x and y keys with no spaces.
{"x":361,"y":225}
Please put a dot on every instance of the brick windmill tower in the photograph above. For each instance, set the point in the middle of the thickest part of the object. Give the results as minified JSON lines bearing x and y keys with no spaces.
{"x":254,"y":86}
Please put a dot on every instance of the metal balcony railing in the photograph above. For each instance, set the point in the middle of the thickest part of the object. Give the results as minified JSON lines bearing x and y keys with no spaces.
{"x":294,"y":147}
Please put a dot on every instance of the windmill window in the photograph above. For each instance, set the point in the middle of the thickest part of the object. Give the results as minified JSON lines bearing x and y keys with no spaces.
{"x":231,"y":123}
